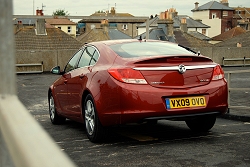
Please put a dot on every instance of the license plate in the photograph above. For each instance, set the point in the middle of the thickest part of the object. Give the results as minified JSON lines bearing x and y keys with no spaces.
{"x":185,"y":102}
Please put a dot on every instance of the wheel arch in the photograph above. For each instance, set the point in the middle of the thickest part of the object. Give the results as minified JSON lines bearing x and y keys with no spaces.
{"x":49,"y":92}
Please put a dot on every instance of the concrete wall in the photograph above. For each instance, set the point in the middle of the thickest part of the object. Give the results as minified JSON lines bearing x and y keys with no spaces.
{"x":51,"y":58}
{"x":217,"y":54}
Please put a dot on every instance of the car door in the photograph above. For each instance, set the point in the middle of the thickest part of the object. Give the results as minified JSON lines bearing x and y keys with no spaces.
{"x":78,"y":80}
{"x":61,"y":88}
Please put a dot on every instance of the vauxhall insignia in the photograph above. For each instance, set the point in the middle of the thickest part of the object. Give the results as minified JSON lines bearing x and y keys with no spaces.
{"x":182,"y":68}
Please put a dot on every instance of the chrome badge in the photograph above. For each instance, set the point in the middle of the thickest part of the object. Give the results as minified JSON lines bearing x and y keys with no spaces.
{"x":182,"y":68}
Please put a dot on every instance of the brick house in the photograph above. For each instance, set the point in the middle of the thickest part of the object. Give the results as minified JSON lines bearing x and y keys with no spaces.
{"x":217,"y":15}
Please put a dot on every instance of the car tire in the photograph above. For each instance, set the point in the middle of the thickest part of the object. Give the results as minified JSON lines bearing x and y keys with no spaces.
{"x":54,"y":117}
{"x":94,"y":129}
{"x":152,"y":122}
{"x":201,"y":124}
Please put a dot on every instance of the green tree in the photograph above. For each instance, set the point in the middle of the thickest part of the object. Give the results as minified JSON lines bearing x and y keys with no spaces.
{"x":60,"y":12}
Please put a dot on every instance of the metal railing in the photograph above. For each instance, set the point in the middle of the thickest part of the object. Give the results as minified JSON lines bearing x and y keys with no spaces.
{"x":230,"y":89}
{"x":242,"y":61}
{"x":29,"y":68}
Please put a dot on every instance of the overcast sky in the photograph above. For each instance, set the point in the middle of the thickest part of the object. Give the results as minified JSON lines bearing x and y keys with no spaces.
{"x":134,"y":7}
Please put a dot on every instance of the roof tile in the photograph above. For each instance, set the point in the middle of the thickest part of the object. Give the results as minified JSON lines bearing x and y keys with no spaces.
{"x":26,"y":39}
{"x":229,"y":34}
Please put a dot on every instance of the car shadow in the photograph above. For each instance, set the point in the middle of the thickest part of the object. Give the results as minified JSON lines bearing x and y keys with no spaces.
{"x":163,"y":131}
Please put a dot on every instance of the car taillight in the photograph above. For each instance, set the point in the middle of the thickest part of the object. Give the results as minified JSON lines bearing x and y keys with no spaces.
{"x":127,"y":75}
{"x":218,"y":73}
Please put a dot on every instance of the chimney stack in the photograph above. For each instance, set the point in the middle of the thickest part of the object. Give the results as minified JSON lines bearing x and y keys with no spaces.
{"x":166,"y":23}
{"x":40,"y":27}
{"x":224,"y":2}
{"x":196,"y":5}
{"x":105,"y":25}
{"x":184,"y":25}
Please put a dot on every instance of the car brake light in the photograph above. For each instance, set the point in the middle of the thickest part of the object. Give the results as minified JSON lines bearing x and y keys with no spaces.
{"x":218,"y":73}
{"x":127,"y":75}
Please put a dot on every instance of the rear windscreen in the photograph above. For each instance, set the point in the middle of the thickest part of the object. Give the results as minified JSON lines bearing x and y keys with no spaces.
{"x":143,"y":49}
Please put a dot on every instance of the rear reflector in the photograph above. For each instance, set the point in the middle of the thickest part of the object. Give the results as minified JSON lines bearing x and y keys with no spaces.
{"x":218,"y":73}
{"x":127,"y":75}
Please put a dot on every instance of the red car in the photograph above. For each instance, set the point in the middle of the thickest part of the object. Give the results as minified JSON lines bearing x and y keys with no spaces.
{"x":127,"y":81}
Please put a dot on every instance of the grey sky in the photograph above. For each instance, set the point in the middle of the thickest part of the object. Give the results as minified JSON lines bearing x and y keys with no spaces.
{"x":134,"y":7}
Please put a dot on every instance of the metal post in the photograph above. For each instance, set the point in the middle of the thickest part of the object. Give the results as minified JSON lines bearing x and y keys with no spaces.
{"x":229,"y":84}
{"x":5,"y":158}
{"x":7,"y":56}
{"x":23,"y":142}
{"x":7,"y":68}
{"x":147,"y":29}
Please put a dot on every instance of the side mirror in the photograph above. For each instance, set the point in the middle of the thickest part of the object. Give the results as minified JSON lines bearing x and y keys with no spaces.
{"x":56,"y":70}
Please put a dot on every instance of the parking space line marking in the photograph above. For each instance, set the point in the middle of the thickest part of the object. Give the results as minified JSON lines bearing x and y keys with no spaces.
{"x":136,"y":136}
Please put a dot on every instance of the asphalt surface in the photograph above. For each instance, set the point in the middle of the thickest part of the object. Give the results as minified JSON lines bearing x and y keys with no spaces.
{"x":239,"y":98}
{"x":41,"y":82}
{"x":165,"y":144}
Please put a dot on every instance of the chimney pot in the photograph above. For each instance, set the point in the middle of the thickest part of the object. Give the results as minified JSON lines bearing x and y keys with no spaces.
{"x":112,"y":10}
{"x":162,"y":15}
{"x":39,"y":12}
{"x":196,"y":5}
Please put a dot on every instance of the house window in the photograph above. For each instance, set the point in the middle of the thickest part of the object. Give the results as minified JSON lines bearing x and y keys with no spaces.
{"x":92,"y":26}
{"x":69,"y":29}
{"x":204,"y":31}
{"x":238,"y":11}
{"x":225,"y":13}
{"x":124,"y":26}
{"x":213,"y":15}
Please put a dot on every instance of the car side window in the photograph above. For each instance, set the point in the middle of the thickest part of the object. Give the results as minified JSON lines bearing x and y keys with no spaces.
{"x":94,"y":58}
{"x":73,"y":61}
{"x":89,"y":57}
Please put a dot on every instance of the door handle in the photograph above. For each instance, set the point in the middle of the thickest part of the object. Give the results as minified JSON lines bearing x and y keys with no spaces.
{"x":81,"y":76}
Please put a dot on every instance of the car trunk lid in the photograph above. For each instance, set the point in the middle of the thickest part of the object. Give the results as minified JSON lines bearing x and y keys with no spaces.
{"x":176,"y":71}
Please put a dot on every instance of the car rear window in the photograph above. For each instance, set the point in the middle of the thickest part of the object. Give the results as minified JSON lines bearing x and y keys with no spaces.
{"x":143,"y":49}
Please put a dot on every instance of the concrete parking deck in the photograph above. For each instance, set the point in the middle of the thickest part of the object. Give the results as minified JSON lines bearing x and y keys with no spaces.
{"x":38,"y":84}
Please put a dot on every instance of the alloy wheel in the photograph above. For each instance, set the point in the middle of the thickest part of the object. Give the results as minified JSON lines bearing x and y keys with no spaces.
{"x":52,"y":108}
{"x":90,"y":117}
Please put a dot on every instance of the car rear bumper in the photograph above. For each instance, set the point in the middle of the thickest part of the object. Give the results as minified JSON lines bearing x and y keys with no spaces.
{"x":135,"y":103}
